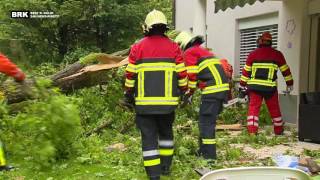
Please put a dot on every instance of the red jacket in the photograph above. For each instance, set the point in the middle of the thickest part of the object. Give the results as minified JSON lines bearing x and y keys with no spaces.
{"x":155,"y":47}
{"x":265,"y":54}
{"x":191,"y":56}
{"x":10,"y":69}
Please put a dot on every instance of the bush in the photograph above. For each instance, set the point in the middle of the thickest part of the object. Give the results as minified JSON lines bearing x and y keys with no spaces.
{"x":234,"y":115}
{"x":47,"y":131}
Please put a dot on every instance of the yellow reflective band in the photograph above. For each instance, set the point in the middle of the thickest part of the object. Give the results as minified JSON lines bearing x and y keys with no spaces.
{"x":152,"y":162}
{"x":270,"y":75}
{"x":254,"y":70}
{"x":183,"y":82}
{"x":192,"y":84}
{"x":2,"y":158}
{"x":288,"y":78}
{"x":216,"y":88}
{"x":129,"y":83}
{"x":265,"y":65}
{"x":192,"y":69}
{"x":157,"y":100}
{"x":208,"y":62}
{"x":168,"y":83}
{"x":141,"y":84}
{"x":262,"y":82}
{"x":215,"y":74}
{"x":284,"y":68}
{"x":166,"y":152}
{"x":247,"y":68}
{"x":156,"y":67}
{"x":180,"y":67}
{"x":209,"y":141}
{"x":131,"y":68}
{"x":243,"y":78}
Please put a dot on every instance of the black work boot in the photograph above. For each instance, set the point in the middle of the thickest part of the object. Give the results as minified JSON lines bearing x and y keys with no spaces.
{"x":6,"y":168}
{"x":165,"y":170}
{"x":154,"y":177}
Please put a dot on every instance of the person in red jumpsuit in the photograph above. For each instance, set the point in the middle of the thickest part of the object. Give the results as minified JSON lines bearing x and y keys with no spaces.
{"x":154,"y":77}
{"x":206,"y":72}
{"x":10,"y":69}
{"x":259,"y":76}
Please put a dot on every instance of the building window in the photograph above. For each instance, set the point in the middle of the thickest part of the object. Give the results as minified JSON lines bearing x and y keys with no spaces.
{"x":248,"y":41}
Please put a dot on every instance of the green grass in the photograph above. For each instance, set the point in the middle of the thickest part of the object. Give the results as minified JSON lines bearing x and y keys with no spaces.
{"x":95,"y":163}
{"x":90,"y":161}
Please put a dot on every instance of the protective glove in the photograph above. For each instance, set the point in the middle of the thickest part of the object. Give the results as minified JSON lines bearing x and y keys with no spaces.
{"x":186,"y":99}
{"x":19,"y":77}
{"x":290,"y":88}
{"x":242,"y":92}
{"x":128,"y":101}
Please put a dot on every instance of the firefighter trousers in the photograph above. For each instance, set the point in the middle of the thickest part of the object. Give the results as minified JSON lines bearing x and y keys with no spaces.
{"x":209,"y":111}
{"x":272,"y":102}
{"x":157,"y":142}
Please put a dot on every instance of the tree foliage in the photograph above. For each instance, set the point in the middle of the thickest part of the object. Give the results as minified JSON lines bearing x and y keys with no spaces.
{"x":106,"y":25}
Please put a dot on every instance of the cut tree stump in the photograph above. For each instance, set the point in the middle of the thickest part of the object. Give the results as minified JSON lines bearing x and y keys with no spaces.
{"x":231,"y":127}
{"x":17,"y":92}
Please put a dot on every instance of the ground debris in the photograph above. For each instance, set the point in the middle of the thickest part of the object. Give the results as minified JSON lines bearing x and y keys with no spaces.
{"x":202,"y":171}
{"x":231,"y":127}
{"x":116,"y":147}
{"x":310,"y":164}
{"x":295,"y":148}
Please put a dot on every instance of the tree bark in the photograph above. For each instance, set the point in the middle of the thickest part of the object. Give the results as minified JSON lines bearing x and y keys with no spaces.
{"x":17,"y":92}
{"x":75,"y":76}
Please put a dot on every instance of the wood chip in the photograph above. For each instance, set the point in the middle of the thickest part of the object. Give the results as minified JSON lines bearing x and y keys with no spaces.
{"x":202,"y":171}
{"x":232,"y":127}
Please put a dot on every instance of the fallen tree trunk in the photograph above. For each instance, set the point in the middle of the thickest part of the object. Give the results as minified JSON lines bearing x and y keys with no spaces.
{"x":91,"y":58}
{"x":69,"y":70}
{"x":87,"y":77}
{"x":76,"y":76}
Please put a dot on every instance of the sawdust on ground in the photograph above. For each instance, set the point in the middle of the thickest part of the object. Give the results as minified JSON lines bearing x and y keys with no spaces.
{"x":295,"y":148}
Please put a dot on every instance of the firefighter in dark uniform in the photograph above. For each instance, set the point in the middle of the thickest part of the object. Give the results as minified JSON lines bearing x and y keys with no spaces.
{"x":259,"y":76}
{"x":155,"y":78}
{"x":10,"y":69}
{"x":205,"y":71}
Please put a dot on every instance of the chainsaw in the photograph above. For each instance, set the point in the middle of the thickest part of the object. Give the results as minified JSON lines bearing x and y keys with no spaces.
{"x":235,"y":101}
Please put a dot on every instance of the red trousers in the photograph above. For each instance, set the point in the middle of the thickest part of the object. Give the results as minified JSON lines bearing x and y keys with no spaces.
{"x":254,"y":109}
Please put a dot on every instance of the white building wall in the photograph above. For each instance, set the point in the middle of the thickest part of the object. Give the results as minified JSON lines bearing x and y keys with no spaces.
{"x":293,"y":38}
{"x":184,"y":15}
{"x":191,"y":16}
{"x":291,"y":27}
{"x":223,"y":28}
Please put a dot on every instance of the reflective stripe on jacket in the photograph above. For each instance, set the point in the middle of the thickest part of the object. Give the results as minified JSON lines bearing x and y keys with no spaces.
{"x":207,"y":72}
{"x":155,"y":73}
{"x":260,"y":71}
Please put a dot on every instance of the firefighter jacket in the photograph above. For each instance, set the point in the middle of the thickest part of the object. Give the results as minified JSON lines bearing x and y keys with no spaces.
{"x":155,"y":74}
{"x":10,"y":69}
{"x":206,"y":72}
{"x":260,"y":71}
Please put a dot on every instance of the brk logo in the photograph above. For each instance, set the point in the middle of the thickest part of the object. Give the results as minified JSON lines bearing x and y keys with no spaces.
{"x":20,"y":14}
